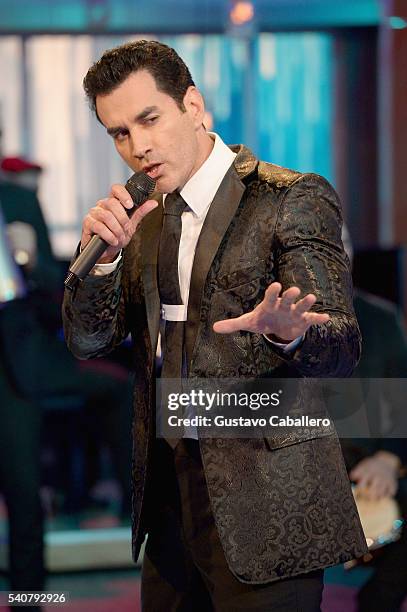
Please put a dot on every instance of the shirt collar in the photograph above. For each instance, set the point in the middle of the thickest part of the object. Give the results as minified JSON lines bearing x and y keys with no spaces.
{"x":201,"y":188}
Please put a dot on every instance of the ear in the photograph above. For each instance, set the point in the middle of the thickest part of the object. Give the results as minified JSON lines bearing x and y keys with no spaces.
{"x":194,"y":105}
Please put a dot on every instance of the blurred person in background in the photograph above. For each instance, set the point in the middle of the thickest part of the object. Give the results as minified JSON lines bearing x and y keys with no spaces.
{"x":20,"y":171}
{"x":20,"y":473}
{"x":376,"y":465}
{"x":35,"y":358}
{"x":20,"y":480}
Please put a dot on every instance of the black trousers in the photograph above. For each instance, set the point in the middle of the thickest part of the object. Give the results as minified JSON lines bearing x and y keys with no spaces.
{"x":184,"y":567}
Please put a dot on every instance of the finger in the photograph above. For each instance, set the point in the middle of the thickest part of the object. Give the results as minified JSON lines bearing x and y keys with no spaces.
{"x":116,"y":208}
{"x":229,"y":326}
{"x":142,"y":211}
{"x":358,"y":470}
{"x":121,"y":193}
{"x":85,"y":238}
{"x":305,"y":303}
{"x":100,"y":229}
{"x":271,"y":294}
{"x":376,"y":487}
{"x":363,"y":481}
{"x":288,"y":298}
{"x":355,"y":474}
{"x":387,"y":489}
{"x":110,"y":220}
{"x":315,"y":318}
{"x":87,"y":229}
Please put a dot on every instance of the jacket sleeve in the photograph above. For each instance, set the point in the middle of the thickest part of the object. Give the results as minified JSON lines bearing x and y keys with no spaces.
{"x":96,"y":314}
{"x":309,"y":254}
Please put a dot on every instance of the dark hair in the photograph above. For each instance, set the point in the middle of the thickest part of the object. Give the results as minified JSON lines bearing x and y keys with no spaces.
{"x":169,"y":71}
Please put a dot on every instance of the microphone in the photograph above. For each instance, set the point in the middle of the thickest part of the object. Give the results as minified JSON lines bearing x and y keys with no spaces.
{"x":140,"y":187}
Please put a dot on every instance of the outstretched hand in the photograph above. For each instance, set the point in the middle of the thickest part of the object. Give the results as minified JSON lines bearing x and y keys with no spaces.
{"x":283,"y":318}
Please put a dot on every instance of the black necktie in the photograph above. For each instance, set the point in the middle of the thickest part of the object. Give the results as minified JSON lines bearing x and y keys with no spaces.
{"x":168,"y":281}
{"x":169,"y":289}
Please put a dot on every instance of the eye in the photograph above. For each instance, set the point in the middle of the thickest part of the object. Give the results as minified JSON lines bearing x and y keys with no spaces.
{"x":151,"y":120}
{"x":121,"y":135}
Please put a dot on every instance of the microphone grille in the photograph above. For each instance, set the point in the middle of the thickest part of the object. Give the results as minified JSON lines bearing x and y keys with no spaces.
{"x":140,"y":186}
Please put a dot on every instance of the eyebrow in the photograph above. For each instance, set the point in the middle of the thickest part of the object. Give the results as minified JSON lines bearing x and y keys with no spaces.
{"x":144,"y":113}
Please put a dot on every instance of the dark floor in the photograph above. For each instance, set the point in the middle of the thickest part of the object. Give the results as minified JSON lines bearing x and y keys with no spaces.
{"x":118,"y":590}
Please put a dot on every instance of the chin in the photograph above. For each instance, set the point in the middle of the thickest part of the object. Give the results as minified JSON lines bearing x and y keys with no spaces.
{"x":165,"y":186}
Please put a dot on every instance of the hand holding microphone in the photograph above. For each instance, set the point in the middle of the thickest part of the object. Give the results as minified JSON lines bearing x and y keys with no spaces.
{"x":110,"y":225}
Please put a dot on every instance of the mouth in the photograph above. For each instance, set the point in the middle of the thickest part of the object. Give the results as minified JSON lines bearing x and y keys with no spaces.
{"x":152,"y":170}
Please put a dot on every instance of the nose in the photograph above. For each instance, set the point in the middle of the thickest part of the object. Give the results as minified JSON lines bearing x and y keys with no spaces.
{"x":140,"y":143}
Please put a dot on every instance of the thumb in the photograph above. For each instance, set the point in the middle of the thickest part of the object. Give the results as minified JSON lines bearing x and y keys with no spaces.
{"x":142,"y":211}
{"x":229,"y":326}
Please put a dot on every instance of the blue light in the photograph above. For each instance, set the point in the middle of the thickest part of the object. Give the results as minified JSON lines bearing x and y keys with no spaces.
{"x":397,"y":23}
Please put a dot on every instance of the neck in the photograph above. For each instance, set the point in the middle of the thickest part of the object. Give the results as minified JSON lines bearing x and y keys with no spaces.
{"x":205,"y":145}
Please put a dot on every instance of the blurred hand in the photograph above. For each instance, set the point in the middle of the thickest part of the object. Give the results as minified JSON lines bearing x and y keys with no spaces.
{"x":282,"y":318}
{"x":376,"y":476}
{"x":109,"y":220}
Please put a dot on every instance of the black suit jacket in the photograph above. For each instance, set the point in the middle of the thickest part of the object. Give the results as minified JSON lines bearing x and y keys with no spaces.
{"x":282,"y":505}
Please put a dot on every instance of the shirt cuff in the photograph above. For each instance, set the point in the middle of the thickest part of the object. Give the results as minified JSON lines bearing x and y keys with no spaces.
{"x":107,"y":268}
{"x":287,"y":348}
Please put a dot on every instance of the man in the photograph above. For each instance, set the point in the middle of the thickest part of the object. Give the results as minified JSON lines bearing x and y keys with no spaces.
{"x":242,"y":524}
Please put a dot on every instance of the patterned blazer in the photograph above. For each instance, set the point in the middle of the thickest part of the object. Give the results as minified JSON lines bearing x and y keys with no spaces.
{"x":282,"y":504}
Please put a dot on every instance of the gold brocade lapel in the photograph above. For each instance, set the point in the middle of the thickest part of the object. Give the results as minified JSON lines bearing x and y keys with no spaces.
{"x":150,"y":238}
{"x":217,"y":221}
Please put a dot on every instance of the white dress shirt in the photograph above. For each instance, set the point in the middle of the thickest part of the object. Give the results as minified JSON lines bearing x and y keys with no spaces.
{"x":198,"y":193}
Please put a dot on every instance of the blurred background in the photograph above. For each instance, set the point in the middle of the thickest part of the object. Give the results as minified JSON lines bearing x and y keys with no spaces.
{"x":314,"y":85}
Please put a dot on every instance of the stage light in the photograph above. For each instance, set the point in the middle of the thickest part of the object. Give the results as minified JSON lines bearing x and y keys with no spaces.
{"x":241,"y":12}
{"x":397,"y":23}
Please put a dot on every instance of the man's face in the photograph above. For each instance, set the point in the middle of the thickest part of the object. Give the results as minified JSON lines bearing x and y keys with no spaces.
{"x":151,"y":133}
